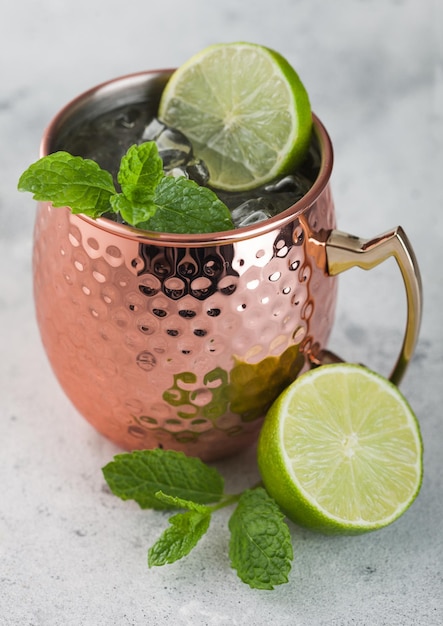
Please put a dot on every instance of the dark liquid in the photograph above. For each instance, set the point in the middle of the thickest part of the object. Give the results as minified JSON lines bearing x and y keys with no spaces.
{"x":107,"y":137}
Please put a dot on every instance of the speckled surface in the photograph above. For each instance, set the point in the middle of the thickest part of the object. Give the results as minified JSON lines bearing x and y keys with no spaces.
{"x":71,"y":554}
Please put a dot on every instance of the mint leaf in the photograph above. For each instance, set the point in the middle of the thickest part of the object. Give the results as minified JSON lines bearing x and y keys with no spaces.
{"x":141,"y":474}
{"x":149,"y":199}
{"x":260,"y":548}
{"x":71,"y":181}
{"x":185,"y":207}
{"x":177,"y":541}
{"x":141,"y":169}
{"x":133,"y":215}
{"x":180,"y":503}
{"x":162,"y":203}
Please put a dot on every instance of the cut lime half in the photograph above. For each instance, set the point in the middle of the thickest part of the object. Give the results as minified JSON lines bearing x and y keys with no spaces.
{"x":245,"y":111}
{"x":340,"y":450}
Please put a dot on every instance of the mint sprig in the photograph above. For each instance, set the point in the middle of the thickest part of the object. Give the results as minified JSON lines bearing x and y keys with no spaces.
{"x":67,"y":180}
{"x":149,"y":199}
{"x":144,"y":474}
{"x":141,"y":169}
{"x":185,"y":530}
{"x":182,"y":206}
{"x":260,"y":546}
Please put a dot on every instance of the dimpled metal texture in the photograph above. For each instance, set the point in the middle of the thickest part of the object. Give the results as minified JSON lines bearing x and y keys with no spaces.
{"x":181,"y":348}
{"x":183,"y":342}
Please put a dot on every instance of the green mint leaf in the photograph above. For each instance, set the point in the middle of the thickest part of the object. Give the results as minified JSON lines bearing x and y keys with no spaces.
{"x":133,"y":215}
{"x":185,"y":207}
{"x":141,"y":169}
{"x":184,"y":532}
{"x":260,"y":547}
{"x":139,"y":475}
{"x":149,"y":199}
{"x":71,"y":181}
{"x":180,"y":503}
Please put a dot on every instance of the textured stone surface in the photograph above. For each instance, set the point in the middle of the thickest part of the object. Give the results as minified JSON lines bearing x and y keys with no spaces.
{"x":70,"y":553}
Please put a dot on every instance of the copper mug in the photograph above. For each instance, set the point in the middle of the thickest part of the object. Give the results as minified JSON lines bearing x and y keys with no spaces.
{"x":184,"y":341}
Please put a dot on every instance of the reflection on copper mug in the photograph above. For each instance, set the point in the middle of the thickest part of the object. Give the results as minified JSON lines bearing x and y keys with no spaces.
{"x":184,"y":341}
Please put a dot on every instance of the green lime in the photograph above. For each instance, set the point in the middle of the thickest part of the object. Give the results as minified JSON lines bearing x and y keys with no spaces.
{"x":340,"y":450}
{"x":245,"y":111}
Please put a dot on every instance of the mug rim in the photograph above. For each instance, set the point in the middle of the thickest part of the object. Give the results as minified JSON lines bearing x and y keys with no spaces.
{"x":195,"y":239}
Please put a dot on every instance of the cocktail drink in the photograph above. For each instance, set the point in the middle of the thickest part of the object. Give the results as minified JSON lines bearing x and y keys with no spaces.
{"x":107,"y":137}
{"x":184,"y":339}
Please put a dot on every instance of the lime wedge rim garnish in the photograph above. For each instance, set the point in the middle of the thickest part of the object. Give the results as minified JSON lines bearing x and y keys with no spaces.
{"x":245,"y":111}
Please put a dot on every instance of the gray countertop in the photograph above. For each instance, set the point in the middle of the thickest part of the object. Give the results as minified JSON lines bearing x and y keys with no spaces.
{"x":71,"y":553}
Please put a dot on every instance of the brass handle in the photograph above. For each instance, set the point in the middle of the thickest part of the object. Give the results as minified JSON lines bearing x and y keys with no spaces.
{"x":344,"y":251}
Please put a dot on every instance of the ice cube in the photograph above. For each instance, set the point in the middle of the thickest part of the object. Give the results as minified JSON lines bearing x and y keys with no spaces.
{"x":153,"y":130}
{"x":250,"y":212}
{"x":176,"y":172}
{"x":292,"y":183}
{"x":173,"y":158}
{"x":174,"y":140}
{"x":252,"y":218}
{"x":197,"y":171}
{"x":173,"y":147}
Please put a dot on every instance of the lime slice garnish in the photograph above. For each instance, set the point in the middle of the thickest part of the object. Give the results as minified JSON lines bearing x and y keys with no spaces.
{"x":245,"y":111}
{"x":340,"y":450}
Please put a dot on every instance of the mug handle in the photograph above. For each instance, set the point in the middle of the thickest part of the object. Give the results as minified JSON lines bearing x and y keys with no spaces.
{"x":344,"y":251}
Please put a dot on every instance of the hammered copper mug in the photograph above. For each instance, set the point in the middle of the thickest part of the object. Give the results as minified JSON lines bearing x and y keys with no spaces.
{"x":184,"y":341}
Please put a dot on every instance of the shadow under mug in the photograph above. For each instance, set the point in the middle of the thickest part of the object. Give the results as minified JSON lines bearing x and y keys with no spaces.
{"x":184,"y":341}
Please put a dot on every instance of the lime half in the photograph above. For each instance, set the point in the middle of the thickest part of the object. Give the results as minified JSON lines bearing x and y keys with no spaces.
{"x":340,"y":450}
{"x":245,"y":111}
